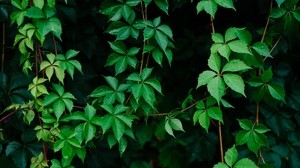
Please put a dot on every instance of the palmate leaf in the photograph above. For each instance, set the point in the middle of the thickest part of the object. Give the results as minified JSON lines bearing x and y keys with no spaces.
{"x":66,"y":63}
{"x":145,"y":89}
{"x":122,"y":58}
{"x":50,"y":25}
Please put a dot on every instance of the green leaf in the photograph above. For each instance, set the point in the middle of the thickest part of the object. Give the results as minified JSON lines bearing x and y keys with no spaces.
{"x":148,"y":33}
{"x":245,"y":124}
{"x":118,"y":129}
{"x":225,"y":3}
{"x":122,"y":145}
{"x":118,"y":46}
{"x":230,"y":34}
{"x":277,"y":91}
{"x":112,"y":81}
{"x":67,"y":151}
{"x":235,"y":82}
{"x":215,"y":113}
{"x":224,"y":51}
{"x":245,"y":162}
{"x":176,"y":124}
{"x":161,"y":39}
{"x":220,"y":165}
{"x":239,"y":46}
{"x":262,"y":49}
{"x":214,"y":62}
{"x":90,"y":112}
{"x":106,"y":122}
{"x":38,"y":3}
{"x":279,"y":2}
{"x":261,"y":128}
{"x":204,"y":120}
{"x":71,"y":54}
{"x":146,"y":73}
{"x":226,"y":104}
{"x":277,"y":13}
{"x":255,"y":82}
{"x":154,"y":84}
{"x":158,"y":56}
{"x":267,"y":75}
{"x":123,"y":33}
{"x":231,"y":156}
{"x":35,"y":13}
{"x":137,"y":91}
{"x":89,"y":131}
{"x":296,"y":14}
{"x":200,"y":6}
{"x":205,"y":77}
{"x":217,"y":38}
{"x":58,"y":108}
{"x":200,"y":105}
{"x":51,"y":25}
{"x":235,"y":66}
{"x":49,"y":99}
{"x":163,"y":5}
{"x":58,"y":145}
{"x":75,"y":116}
{"x":148,"y":95}
{"x":216,"y":88}
{"x":168,"y":128}
{"x":166,"y":30}
{"x":210,"y":7}
{"x":12,"y":147}
{"x":242,"y":137}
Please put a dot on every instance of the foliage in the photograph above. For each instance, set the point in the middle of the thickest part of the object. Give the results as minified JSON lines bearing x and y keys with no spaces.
{"x":137,"y":83}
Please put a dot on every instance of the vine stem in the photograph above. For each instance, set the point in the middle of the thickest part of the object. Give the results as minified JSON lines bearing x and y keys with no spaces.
{"x":221,"y":142}
{"x":259,"y":72}
{"x":212,"y":24}
{"x":219,"y":123}
{"x":8,"y":115}
{"x":267,"y":24}
{"x":3,"y":47}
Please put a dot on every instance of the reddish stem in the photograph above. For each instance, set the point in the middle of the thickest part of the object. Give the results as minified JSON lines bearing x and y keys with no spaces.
{"x":9,"y":114}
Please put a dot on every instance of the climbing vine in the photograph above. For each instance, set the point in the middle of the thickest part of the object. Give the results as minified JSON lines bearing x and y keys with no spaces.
{"x":86,"y":83}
